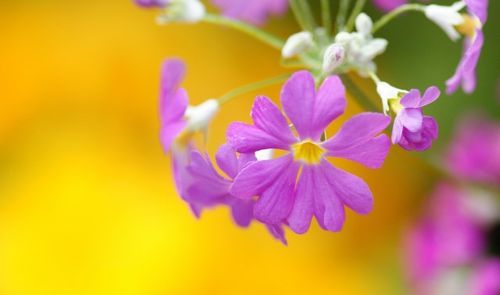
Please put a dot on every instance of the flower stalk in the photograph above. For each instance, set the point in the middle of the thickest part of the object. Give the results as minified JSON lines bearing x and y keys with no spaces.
{"x":395,"y":13}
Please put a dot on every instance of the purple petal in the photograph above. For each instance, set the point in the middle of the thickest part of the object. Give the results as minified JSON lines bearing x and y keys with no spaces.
{"x":411,"y":99}
{"x":246,"y":138}
{"x":431,"y":94}
{"x":303,"y":208}
{"x":485,"y":277}
{"x":328,"y":207}
{"x":242,"y":211}
{"x":352,"y":190}
{"x":255,"y":12}
{"x":268,"y":117}
{"x":173,"y":101}
{"x":411,"y":119}
{"x":277,"y":232}
{"x":372,"y":154}
{"x":478,"y":8}
{"x":173,"y":106}
{"x":169,"y":132}
{"x":388,"y":5}
{"x":151,"y":3}
{"x":421,"y":140}
{"x":330,"y":103}
{"x":276,"y":201}
{"x":227,"y":160}
{"x":297,"y":98}
{"x":397,"y":130}
{"x":357,"y":130}
{"x":257,"y":176}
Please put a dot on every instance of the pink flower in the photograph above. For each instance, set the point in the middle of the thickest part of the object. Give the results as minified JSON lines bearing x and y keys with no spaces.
{"x":322,"y":190}
{"x":486,"y":278}
{"x":152,"y":3}
{"x":412,"y":130}
{"x":474,"y":153}
{"x":255,"y":11}
{"x":207,"y":188}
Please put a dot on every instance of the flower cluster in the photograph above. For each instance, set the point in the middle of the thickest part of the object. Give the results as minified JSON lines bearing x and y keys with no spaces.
{"x":454,"y":248}
{"x":300,"y":182}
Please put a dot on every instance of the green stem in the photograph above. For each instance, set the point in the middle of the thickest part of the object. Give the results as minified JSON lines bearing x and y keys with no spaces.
{"x":394,"y":13}
{"x":251,"y":87}
{"x":303,"y":14}
{"x":250,"y":30}
{"x":358,"y":7}
{"x":342,"y":14}
{"x":326,"y":16}
{"x":363,"y":100}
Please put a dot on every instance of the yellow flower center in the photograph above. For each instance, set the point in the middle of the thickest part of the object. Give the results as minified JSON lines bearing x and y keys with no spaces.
{"x":395,"y":105}
{"x":308,"y":152}
{"x":468,"y":26}
{"x":184,"y":138}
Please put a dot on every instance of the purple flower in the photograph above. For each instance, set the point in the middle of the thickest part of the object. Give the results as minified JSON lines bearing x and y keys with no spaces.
{"x":486,"y":278}
{"x":412,"y":130}
{"x":322,"y":190}
{"x":474,"y":153}
{"x":207,"y":188}
{"x":388,"y":5}
{"x":152,"y":3}
{"x":255,"y":11}
{"x":448,"y":236}
{"x":465,"y":74}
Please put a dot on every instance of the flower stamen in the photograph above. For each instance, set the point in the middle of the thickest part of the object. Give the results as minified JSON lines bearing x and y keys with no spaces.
{"x":308,"y":151}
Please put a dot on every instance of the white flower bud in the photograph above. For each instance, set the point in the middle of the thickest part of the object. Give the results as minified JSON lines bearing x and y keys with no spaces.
{"x":297,"y":44}
{"x":386,"y":91}
{"x":373,"y":48}
{"x":266,"y":154}
{"x":364,"y":24}
{"x":446,"y":17}
{"x":198,"y":117}
{"x":333,"y":57}
{"x":189,"y":11}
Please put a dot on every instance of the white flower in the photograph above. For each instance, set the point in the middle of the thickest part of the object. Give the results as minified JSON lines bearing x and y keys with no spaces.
{"x":297,"y":44}
{"x":333,"y":57}
{"x":263,"y":155}
{"x":198,"y":117}
{"x":446,"y":17}
{"x":360,"y":47}
{"x":189,"y":11}
{"x":387,"y":92}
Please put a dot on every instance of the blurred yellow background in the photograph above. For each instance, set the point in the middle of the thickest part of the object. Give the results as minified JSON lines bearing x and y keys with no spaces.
{"x":88,"y":204}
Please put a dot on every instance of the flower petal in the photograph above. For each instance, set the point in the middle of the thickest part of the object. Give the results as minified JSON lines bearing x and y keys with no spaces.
{"x":330,"y":103}
{"x":246,"y":138}
{"x":227,"y":160}
{"x":372,"y":154}
{"x":277,"y":232}
{"x":257,"y":176}
{"x":352,"y":190}
{"x":173,"y":106}
{"x":268,"y":117}
{"x":431,"y":94}
{"x":242,"y":211}
{"x":397,"y":130}
{"x":276,"y":201}
{"x":411,"y":119}
{"x":169,"y":132}
{"x":297,"y":98}
{"x":328,"y":208}
{"x":303,"y":208}
{"x":411,"y":99}
{"x":357,"y":130}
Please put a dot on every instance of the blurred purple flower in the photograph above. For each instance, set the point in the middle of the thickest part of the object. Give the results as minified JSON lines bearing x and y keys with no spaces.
{"x":447,"y":236}
{"x":486,"y":278}
{"x":475,"y":152}
{"x":152,"y":3}
{"x":412,"y":130}
{"x":207,"y":188}
{"x":255,"y":11}
{"x":388,"y":5}
{"x":465,"y":74}
{"x":321,"y":190}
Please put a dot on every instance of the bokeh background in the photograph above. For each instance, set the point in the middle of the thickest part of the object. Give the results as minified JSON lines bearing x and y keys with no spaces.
{"x":87,"y":201}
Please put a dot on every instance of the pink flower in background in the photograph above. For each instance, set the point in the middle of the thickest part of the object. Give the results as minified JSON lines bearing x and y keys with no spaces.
{"x":412,"y":130}
{"x":486,"y":278}
{"x":474,"y":154}
{"x":152,"y":3}
{"x":322,"y":190}
{"x":465,"y":74}
{"x":207,"y":188}
{"x":252,"y":11}
{"x":388,"y":5}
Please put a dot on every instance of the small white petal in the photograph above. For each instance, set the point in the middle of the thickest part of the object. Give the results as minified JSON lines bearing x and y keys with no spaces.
{"x":333,"y":57}
{"x":198,"y":117}
{"x":364,"y":24}
{"x":266,"y":154}
{"x":189,"y":11}
{"x":386,"y":91}
{"x":446,"y":17}
{"x":373,"y":48}
{"x":297,"y":44}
